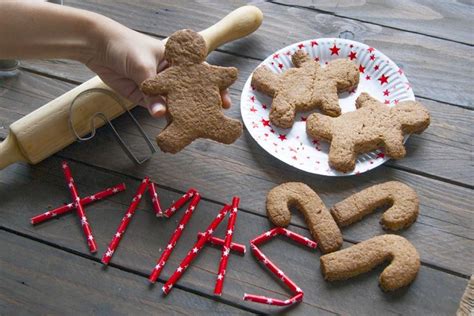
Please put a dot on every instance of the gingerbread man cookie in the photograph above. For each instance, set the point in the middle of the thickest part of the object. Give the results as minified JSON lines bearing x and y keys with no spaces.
{"x":306,"y":87}
{"x":322,"y":226}
{"x":364,"y":256}
{"x":192,"y":90}
{"x":372,"y":125}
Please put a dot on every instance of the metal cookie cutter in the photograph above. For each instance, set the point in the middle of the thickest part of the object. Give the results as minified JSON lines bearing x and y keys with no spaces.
{"x":102,"y":116}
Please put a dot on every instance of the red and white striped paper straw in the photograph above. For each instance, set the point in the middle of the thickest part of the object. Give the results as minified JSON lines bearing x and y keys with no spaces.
{"x":220,"y":242}
{"x":174,"y":238}
{"x":85,"y":201}
{"x":274,"y":269}
{"x":179,"y":203}
{"x":80,"y":211}
{"x":273,"y":301}
{"x":154,"y":199}
{"x":125,"y":221}
{"x":195,"y":250}
{"x":298,"y":297}
{"x":226,"y":248}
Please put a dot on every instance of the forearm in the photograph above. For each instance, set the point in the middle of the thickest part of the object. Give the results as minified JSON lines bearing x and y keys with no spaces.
{"x":30,"y":29}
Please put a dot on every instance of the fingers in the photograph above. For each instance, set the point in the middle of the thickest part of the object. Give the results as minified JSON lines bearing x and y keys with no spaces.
{"x":156,"y":105}
{"x":226,"y":101}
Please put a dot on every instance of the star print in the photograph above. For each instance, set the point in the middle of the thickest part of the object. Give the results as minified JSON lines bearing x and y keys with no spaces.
{"x":179,"y":269}
{"x":314,"y":43}
{"x":115,"y":190}
{"x":361,"y":69}
{"x":275,"y":56}
{"x":316,"y":58}
{"x":386,"y":92}
{"x":90,"y":237}
{"x":64,"y":165}
{"x":387,"y":102}
{"x":229,"y":232}
{"x":83,"y":220}
{"x":280,"y":65}
{"x":300,"y":46}
{"x":70,"y":184}
{"x":170,"y":246}
{"x":367,"y":77}
{"x":352,"y":55}
{"x":334,"y":50}
{"x":70,"y":205}
{"x":118,"y":235}
{"x":371,"y":49}
{"x":210,"y":231}
{"x":109,"y":253}
{"x":234,"y":210}
{"x":303,"y":119}
{"x":181,"y":226}
{"x":269,"y":301}
{"x":381,"y":155}
{"x":173,"y":209}
{"x":219,"y":276}
{"x":129,"y":215}
{"x":219,"y":215}
{"x":226,"y":253}
{"x":195,"y":250}
{"x":383,"y":79}
{"x":163,"y":289}
{"x":282,"y":137}
{"x":372,"y":57}
{"x":280,"y":272}
{"x":400,"y":71}
{"x":376,"y":67}
{"x":253,"y":109}
{"x":157,"y":267}
{"x":298,"y":290}
{"x":396,"y":101}
{"x":264,"y":106}
{"x":265,"y":122}
{"x":93,"y":197}
{"x":47,"y":213}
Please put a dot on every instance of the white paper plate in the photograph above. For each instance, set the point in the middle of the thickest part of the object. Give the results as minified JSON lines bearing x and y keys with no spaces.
{"x":379,"y":76}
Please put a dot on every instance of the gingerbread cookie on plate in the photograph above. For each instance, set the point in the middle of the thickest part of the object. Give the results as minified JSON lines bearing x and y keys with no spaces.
{"x":305,"y":87}
{"x":371,"y":125}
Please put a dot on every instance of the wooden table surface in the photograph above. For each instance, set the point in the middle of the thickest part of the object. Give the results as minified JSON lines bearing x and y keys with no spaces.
{"x":48,"y":269}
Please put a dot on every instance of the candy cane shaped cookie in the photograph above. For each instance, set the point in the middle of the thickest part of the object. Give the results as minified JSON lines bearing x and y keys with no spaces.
{"x":363,"y":257}
{"x":322,"y":226}
{"x":402,"y":201}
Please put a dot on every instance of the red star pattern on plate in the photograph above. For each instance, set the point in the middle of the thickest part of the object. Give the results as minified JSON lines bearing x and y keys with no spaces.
{"x":383,"y":79}
{"x":378,"y":77}
{"x":252,"y":98}
{"x":352,"y":55}
{"x":381,"y":155}
{"x":334,"y":50}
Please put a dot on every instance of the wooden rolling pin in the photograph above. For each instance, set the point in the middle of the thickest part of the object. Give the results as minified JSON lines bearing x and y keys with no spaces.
{"x":46,"y":130}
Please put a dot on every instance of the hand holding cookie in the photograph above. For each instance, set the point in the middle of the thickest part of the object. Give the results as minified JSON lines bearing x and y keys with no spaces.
{"x":192,"y":89}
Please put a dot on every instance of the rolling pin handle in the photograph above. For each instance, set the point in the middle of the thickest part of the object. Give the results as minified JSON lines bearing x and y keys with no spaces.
{"x":10,"y":152}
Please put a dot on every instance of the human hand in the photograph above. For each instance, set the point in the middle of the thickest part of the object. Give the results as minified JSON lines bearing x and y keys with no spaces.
{"x":125,"y":58}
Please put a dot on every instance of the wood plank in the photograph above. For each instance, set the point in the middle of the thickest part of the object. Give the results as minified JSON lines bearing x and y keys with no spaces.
{"x":423,"y":58}
{"x":442,"y":19}
{"x":433,"y":291}
{"x":39,"y":279}
{"x":444,"y":150}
